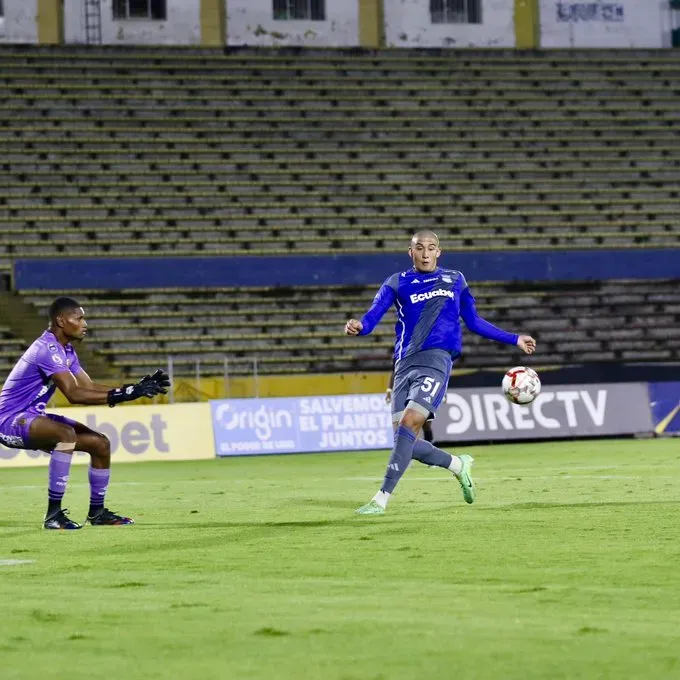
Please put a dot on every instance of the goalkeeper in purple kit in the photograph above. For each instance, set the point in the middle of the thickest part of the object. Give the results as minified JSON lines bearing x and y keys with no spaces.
{"x":430,"y":301}
{"x":51,"y":363}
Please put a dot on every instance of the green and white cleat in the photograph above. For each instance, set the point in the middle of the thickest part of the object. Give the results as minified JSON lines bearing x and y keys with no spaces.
{"x":371,"y":508}
{"x":465,"y":479}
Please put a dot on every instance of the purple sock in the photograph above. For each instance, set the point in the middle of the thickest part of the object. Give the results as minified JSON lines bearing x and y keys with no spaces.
{"x":59,"y":469}
{"x":99,"y":482}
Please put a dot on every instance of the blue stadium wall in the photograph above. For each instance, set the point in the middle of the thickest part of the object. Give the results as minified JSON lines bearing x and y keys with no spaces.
{"x":326,"y":270}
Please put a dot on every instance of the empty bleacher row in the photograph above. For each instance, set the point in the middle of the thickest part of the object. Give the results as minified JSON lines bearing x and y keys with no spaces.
{"x":118,"y":152}
{"x":301,"y":330}
{"x":11,"y":349}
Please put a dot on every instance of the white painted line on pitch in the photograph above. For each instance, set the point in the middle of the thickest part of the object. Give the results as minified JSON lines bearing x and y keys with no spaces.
{"x":14,"y":563}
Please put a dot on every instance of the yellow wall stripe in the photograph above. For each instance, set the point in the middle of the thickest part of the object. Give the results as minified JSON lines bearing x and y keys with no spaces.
{"x":50,"y":21}
{"x":527,"y":28}
{"x":370,"y":23}
{"x":213,"y":23}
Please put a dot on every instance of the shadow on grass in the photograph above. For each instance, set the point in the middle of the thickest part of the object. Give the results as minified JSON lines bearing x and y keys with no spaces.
{"x":296,"y":524}
{"x":321,"y":503}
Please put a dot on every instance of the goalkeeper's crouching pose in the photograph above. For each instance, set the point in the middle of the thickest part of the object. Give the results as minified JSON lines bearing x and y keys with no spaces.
{"x":49,"y":363}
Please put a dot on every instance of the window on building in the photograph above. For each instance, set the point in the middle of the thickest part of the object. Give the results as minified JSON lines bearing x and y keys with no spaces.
{"x":456,"y":11}
{"x":140,"y":9}
{"x":299,"y":10}
{"x":2,"y":17}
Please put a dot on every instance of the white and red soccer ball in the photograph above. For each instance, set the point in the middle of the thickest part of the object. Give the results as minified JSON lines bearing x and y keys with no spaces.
{"x":521,"y":385}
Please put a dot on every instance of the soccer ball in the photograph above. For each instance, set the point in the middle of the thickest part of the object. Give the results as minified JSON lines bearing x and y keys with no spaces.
{"x":521,"y":385}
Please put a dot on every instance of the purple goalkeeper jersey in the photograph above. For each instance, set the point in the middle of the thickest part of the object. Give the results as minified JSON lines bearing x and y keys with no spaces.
{"x":29,"y":386}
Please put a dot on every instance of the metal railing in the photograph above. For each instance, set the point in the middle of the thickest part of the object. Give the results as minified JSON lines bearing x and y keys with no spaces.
{"x":190,"y":385}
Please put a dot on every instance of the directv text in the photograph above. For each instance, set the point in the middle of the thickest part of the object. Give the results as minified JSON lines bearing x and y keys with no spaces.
{"x":493,"y":412}
{"x":478,"y":414}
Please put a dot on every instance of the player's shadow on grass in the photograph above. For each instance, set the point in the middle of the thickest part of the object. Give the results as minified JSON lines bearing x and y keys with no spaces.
{"x":320,"y":503}
{"x":298,"y":524}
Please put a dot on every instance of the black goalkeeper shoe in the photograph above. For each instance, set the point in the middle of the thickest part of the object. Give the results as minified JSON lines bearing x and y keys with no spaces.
{"x":60,"y":520}
{"x":106,"y":518}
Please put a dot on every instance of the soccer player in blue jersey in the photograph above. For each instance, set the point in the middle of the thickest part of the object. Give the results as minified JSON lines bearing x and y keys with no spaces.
{"x":51,"y":362}
{"x":430,"y":301}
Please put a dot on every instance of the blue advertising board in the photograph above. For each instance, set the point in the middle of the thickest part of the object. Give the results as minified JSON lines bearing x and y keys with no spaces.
{"x":664,"y":400}
{"x":301,"y":424}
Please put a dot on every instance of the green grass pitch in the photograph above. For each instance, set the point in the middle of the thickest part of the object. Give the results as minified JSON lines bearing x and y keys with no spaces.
{"x":567,"y":566}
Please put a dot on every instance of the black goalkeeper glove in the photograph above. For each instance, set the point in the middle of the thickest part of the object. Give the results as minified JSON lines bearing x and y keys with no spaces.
{"x":161,"y":378}
{"x":144,"y":388}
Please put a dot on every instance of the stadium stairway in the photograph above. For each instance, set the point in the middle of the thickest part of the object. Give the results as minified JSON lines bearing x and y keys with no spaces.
{"x":11,"y":347}
{"x":19,"y":320}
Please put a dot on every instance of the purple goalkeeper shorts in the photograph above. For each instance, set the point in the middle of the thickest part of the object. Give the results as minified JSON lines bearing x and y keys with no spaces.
{"x":14,"y":428}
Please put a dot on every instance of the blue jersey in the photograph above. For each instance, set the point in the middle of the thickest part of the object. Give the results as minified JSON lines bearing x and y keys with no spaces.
{"x":429,"y":307}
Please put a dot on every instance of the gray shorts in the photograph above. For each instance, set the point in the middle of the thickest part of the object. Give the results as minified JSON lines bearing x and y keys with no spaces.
{"x":423,"y":385}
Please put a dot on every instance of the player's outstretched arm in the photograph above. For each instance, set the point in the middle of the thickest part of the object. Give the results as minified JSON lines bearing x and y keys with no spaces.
{"x":160,"y":377}
{"x":149,"y":386}
{"x":353,"y":327}
{"x":383,"y":300}
{"x":526,"y":343}
{"x":84,"y":380}
{"x":77,"y":392}
{"x":482,"y":327}
{"x":93,"y":396}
